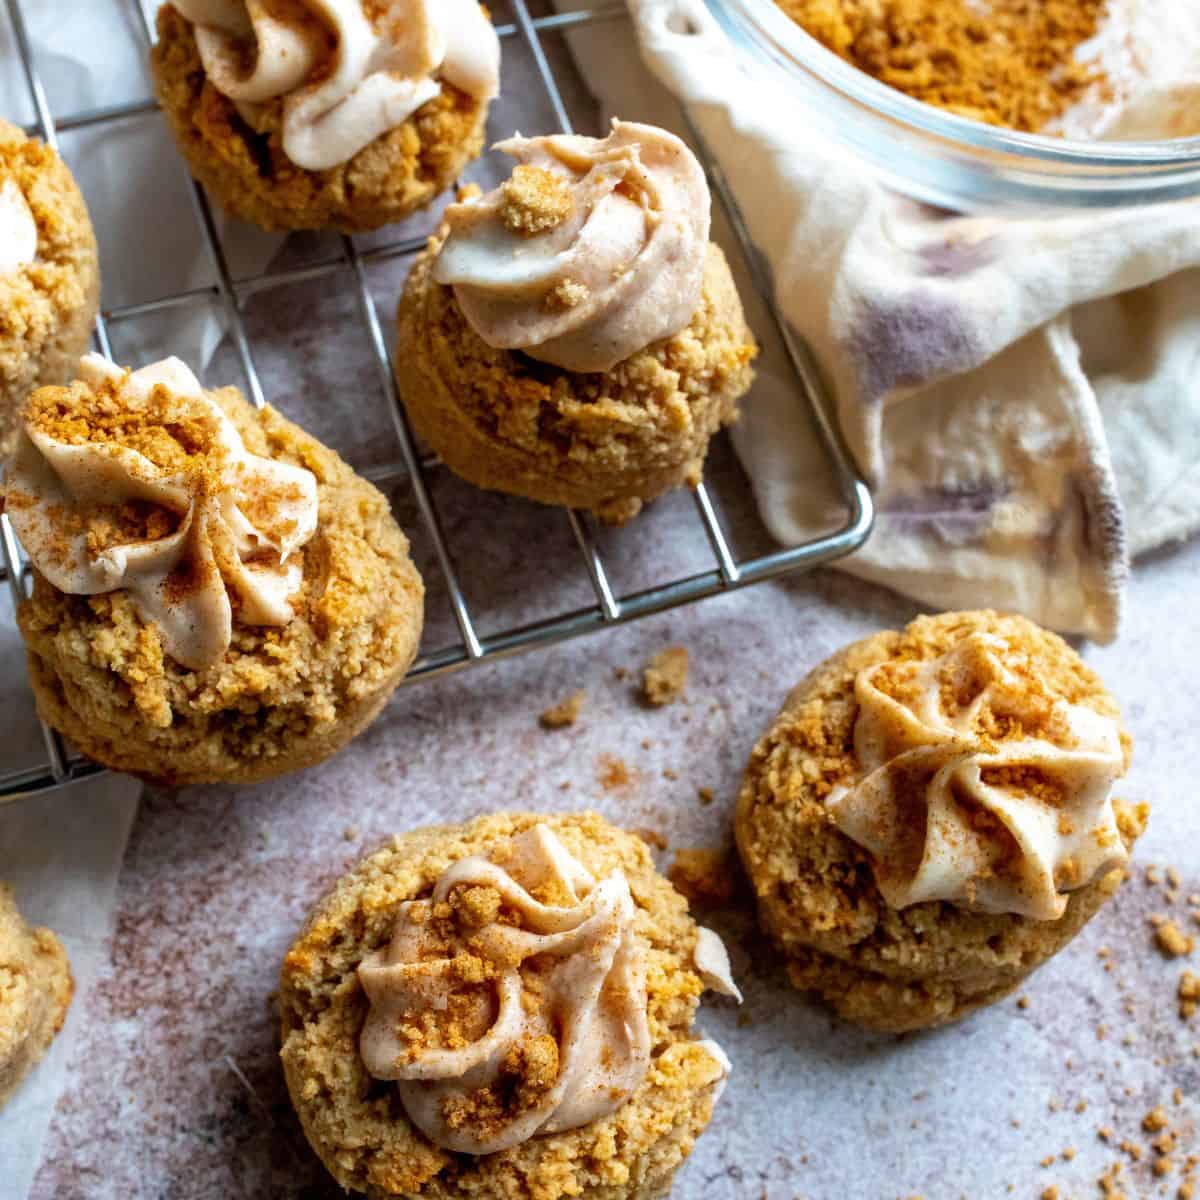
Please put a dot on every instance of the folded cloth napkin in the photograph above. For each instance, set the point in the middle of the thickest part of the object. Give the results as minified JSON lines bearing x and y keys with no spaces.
{"x":1020,"y":392}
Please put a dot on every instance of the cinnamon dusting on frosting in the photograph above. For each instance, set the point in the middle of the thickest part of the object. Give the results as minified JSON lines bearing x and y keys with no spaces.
{"x":976,"y":784}
{"x":137,"y":481}
{"x":512,"y":1002}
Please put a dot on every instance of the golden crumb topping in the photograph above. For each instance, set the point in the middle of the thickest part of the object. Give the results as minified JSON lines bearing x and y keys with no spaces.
{"x":1007,"y":62}
{"x":534,"y":200}
{"x":174,"y":432}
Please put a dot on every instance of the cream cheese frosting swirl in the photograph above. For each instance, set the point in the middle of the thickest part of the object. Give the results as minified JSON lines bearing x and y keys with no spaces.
{"x":140,"y":482}
{"x":591,"y":251}
{"x":345,"y":77}
{"x":529,"y":1016}
{"x":977,"y":787}
{"x":18,"y":229}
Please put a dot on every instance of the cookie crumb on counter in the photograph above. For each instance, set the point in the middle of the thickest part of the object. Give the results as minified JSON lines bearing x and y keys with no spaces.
{"x":350,"y":833}
{"x":704,"y":876}
{"x":563,"y":714}
{"x":1155,"y":1120}
{"x":613,"y":773}
{"x":665,"y":676}
{"x":705,"y":795}
{"x":1171,"y":940}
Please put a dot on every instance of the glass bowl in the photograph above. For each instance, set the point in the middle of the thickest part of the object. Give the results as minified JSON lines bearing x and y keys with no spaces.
{"x":948,"y":160}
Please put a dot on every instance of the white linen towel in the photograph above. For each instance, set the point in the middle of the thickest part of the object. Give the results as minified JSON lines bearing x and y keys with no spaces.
{"x":1021,"y":393}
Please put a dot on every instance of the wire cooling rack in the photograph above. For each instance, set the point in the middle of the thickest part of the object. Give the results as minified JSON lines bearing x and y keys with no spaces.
{"x":62,"y":765}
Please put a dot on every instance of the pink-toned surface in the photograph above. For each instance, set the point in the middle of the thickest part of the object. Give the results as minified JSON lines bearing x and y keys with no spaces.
{"x":178,"y":1093}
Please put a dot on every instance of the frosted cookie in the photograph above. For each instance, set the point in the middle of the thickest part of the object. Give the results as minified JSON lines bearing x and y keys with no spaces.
{"x":930,"y":817}
{"x":503,"y":1009}
{"x":49,"y":274}
{"x":217,"y":596}
{"x":573,"y":336}
{"x":35,"y":992}
{"x":339,"y":114}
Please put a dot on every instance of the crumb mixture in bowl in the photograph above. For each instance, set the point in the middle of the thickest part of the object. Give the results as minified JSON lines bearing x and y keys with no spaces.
{"x":1010,"y":62}
{"x":990,"y":104}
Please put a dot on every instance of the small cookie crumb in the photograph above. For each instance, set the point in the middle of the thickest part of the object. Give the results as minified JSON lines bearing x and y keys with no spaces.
{"x":564,"y":714}
{"x":1172,"y":941}
{"x":350,"y":833}
{"x":613,"y":773}
{"x":1155,"y":1120}
{"x":665,"y":676}
{"x":534,"y":200}
{"x":567,"y":294}
{"x":705,"y":795}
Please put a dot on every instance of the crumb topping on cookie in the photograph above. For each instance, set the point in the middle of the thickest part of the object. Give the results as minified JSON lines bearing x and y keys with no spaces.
{"x":345,"y":71}
{"x":977,"y":785}
{"x":512,"y":1001}
{"x":591,"y":251}
{"x":533,"y":200}
{"x":137,"y":481}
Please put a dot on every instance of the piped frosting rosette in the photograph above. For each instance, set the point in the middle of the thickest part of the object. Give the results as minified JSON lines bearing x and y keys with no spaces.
{"x":591,"y":251}
{"x":18,"y":229}
{"x":512,"y":1002}
{"x":977,"y":787}
{"x":139,"y":482}
{"x":347,"y":72}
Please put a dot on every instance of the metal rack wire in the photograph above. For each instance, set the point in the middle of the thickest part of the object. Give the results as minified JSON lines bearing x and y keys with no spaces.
{"x":61,"y":765}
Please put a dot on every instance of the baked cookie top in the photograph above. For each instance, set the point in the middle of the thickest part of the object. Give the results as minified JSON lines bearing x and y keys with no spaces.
{"x":35,"y":990}
{"x":49,"y":278}
{"x":521,"y":991}
{"x":46,"y":238}
{"x":819,"y":888}
{"x":138,"y":481}
{"x":205,"y":554}
{"x":335,"y":76}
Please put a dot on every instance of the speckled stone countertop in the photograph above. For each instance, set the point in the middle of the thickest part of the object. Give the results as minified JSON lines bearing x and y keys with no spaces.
{"x":177,"y":1091}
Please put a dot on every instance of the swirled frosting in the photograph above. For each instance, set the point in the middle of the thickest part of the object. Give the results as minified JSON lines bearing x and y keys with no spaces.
{"x":18,"y":229}
{"x":347,"y":72}
{"x":977,"y":786}
{"x":138,"y":481}
{"x":591,"y":251}
{"x":513,"y":1001}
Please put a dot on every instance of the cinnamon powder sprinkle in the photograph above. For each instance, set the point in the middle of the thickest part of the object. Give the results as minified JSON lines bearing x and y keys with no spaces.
{"x":1008,"y":62}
